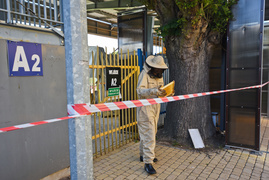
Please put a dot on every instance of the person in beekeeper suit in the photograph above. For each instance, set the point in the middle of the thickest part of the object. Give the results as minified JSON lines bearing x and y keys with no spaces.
{"x":149,"y":82}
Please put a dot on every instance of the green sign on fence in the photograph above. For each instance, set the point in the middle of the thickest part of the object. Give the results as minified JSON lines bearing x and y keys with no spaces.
{"x":114,"y":91}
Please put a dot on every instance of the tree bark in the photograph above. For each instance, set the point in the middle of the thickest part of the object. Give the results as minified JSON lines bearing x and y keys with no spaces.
{"x":189,"y":67}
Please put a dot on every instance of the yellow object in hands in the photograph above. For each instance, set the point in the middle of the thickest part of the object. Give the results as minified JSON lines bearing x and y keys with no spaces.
{"x":169,"y":88}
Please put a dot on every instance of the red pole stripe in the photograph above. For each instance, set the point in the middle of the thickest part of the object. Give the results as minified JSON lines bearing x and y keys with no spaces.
{"x":137,"y":103}
{"x":39,"y":123}
{"x":121,"y":105}
{"x":64,"y":118}
{"x":164,"y":99}
{"x":79,"y":108}
{"x":152,"y":101}
{"x":12,"y":128}
{"x":102,"y":107}
{"x":176,"y":98}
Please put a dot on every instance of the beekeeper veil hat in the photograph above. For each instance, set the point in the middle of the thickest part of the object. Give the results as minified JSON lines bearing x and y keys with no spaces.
{"x":156,"y":62}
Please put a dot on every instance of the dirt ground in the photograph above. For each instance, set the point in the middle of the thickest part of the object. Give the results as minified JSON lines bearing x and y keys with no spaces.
{"x":213,"y":144}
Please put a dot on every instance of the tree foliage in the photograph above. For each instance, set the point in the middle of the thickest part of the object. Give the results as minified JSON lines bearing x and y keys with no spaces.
{"x":216,"y":13}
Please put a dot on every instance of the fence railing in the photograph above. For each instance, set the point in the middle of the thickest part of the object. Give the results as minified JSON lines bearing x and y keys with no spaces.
{"x":113,"y":129}
{"x":38,"y":13}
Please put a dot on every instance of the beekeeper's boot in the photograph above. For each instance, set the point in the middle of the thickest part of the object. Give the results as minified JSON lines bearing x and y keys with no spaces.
{"x":154,"y":160}
{"x":150,"y":169}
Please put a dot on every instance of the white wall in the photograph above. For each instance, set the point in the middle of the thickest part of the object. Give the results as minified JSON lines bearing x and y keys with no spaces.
{"x":105,"y":42}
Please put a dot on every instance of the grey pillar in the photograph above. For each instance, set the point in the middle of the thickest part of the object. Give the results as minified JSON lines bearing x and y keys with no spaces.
{"x":77,"y":75}
{"x":150,"y":25}
{"x":8,"y":12}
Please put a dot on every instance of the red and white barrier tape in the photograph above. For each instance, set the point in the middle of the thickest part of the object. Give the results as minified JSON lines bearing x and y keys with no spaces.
{"x":86,"y":109}
{"x":78,"y":110}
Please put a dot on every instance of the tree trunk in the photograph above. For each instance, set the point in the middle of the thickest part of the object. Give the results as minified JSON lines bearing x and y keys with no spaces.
{"x":189,"y":67}
{"x":188,"y":56}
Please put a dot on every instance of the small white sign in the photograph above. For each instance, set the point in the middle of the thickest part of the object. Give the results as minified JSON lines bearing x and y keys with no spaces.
{"x":196,"y":138}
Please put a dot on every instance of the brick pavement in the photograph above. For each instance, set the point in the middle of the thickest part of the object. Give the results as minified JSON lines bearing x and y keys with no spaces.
{"x":176,"y":163}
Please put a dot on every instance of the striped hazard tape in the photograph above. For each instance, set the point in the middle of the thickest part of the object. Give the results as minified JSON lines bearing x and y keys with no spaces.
{"x":78,"y":110}
{"x":86,"y":109}
{"x":22,"y":126}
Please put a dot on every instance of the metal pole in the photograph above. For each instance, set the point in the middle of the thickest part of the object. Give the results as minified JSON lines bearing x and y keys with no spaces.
{"x":55,"y":10}
{"x":8,"y":12}
{"x":61,"y":14}
{"x":34,"y":10}
{"x":78,"y":87}
{"x":267,"y":98}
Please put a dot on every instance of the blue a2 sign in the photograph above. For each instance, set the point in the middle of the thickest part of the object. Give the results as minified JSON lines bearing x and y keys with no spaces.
{"x":25,"y":59}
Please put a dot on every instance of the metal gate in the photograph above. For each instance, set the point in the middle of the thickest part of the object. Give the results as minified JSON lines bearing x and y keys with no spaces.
{"x":113,"y":129}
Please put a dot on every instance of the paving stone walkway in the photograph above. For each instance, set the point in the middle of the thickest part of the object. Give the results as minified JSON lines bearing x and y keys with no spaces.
{"x":176,"y":163}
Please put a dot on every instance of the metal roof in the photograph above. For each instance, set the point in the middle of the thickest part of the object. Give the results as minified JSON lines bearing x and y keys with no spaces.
{"x":104,"y":12}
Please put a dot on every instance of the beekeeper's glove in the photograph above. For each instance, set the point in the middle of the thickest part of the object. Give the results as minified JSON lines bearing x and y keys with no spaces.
{"x":161,"y":92}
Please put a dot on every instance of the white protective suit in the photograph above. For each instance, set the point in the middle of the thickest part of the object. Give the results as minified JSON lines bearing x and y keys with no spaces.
{"x":148,"y":115}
